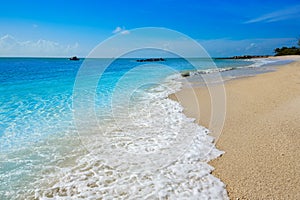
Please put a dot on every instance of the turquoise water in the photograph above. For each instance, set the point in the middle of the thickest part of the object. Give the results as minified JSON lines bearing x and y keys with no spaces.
{"x":39,"y":140}
{"x":34,"y":91}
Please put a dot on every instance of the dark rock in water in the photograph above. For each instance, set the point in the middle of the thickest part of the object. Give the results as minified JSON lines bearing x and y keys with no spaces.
{"x":185,"y":74}
{"x":74,"y":58}
{"x":245,"y":57}
{"x":150,"y":60}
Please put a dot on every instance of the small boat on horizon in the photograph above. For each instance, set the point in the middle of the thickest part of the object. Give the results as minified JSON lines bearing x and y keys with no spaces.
{"x":74,"y":58}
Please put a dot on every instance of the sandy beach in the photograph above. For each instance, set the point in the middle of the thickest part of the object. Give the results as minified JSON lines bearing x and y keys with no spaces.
{"x":261,"y":134}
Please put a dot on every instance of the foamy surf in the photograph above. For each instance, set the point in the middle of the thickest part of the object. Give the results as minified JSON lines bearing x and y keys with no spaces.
{"x":150,"y":129}
{"x":147,"y":145}
{"x":256,"y":63}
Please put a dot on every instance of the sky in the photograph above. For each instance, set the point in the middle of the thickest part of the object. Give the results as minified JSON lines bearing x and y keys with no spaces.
{"x":55,"y":28}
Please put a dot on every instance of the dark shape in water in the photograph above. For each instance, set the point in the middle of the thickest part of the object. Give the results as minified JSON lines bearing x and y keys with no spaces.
{"x":185,"y":74}
{"x":150,"y":60}
{"x":245,"y":57}
{"x":74,"y":58}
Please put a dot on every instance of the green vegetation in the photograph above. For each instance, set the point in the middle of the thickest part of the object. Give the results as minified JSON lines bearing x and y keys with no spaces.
{"x":288,"y":50}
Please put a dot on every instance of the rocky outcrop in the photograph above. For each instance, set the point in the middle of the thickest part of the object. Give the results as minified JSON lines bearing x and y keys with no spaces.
{"x":150,"y":60}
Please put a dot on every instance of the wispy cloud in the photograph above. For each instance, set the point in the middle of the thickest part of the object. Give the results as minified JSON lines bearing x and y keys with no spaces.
{"x":284,"y":14}
{"x":120,"y":30}
{"x":10,"y":46}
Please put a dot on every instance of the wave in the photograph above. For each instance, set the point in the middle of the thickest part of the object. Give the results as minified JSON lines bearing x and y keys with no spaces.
{"x":257,"y":63}
{"x":154,"y":124}
{"x":209,"y":71}
{"x":260,"y":63}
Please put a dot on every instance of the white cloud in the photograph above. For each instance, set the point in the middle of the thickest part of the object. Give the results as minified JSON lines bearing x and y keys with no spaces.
{"x":117,"y":29}
{"x":120,"y":30}
{"x":9,"y":46}
{"x":124,"y":32}
{"x":284,"y":14}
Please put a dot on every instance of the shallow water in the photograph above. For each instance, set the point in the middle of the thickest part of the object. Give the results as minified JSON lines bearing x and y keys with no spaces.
{"x":121,"y":138}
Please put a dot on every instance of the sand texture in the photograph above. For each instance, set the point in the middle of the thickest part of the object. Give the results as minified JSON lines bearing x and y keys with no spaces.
{"x":261,"y":134}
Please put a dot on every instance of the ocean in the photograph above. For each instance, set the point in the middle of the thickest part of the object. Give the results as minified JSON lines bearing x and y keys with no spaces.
{"x":76,"y":129}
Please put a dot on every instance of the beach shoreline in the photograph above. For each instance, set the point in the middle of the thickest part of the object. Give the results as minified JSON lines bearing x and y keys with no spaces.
{"x":260,"y":135}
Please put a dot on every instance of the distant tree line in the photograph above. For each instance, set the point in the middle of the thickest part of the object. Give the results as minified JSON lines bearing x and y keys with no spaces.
{"x":288,"y":50}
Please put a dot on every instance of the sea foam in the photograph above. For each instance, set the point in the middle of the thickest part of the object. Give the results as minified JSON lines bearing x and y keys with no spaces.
{"x":143,"y":148}
{"x":154,"y":124}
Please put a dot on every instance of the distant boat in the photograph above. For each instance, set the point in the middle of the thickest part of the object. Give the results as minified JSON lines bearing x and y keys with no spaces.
{"x":74,"y":58}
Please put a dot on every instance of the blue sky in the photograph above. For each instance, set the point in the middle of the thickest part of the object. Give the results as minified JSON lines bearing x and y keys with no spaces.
{"x":223,"y":28}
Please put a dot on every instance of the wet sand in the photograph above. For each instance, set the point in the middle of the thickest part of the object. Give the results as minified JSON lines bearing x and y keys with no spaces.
{"x":261,"y":134}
